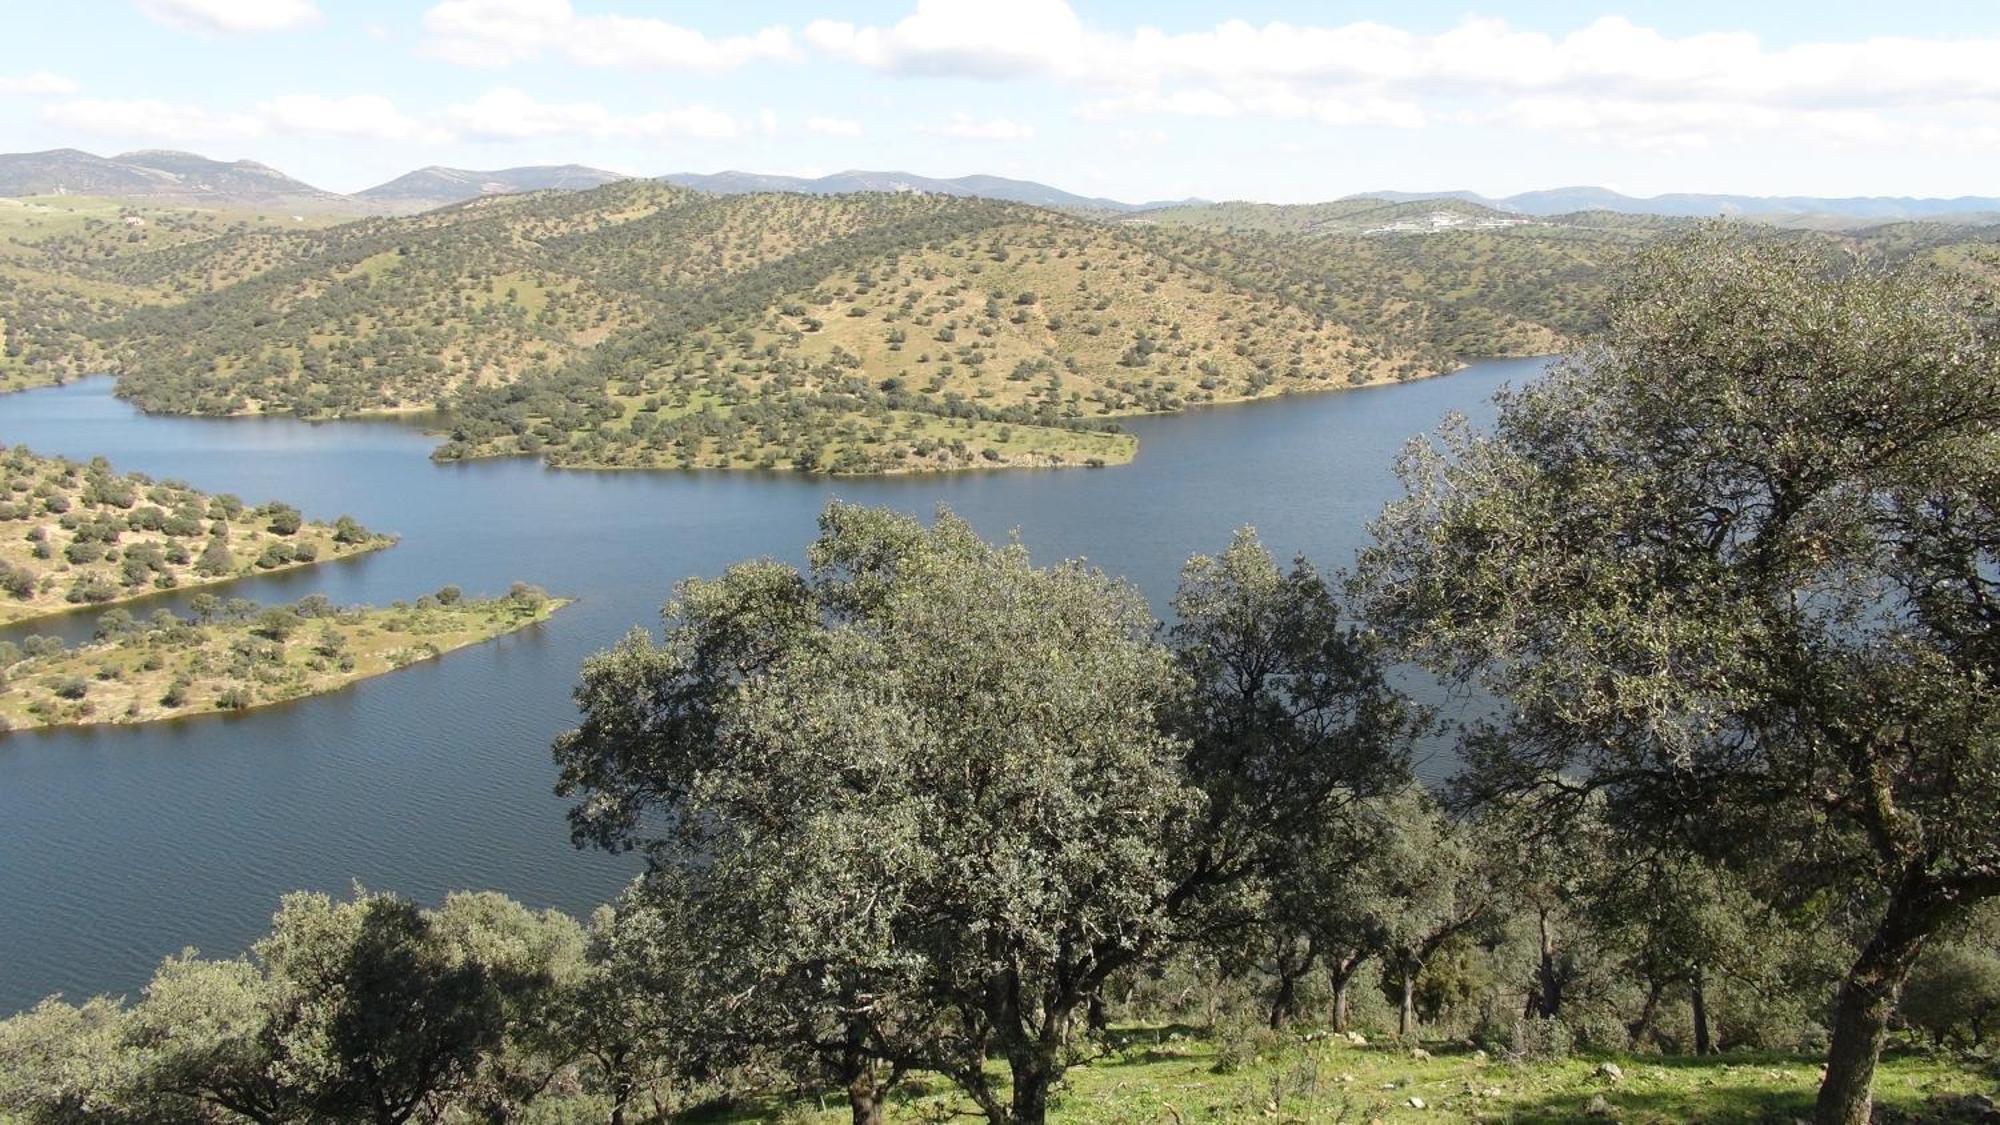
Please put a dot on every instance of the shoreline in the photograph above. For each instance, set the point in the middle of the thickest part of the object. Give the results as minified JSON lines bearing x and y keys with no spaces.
{"x":379,"y":661}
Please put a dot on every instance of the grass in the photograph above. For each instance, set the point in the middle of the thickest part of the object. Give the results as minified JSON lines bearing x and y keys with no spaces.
{"x":1177,"y":1076}
{"x":168,"y":668}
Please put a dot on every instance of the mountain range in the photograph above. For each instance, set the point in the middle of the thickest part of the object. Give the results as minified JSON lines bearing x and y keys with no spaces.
{"x":1775,"y":208}
{"x":160,"y":176}
{"x":182,"y":179}
{"x":984,"y":187}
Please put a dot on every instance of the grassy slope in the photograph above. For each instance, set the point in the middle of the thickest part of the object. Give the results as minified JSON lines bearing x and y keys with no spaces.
{"x":30,"y":484}
{"x":1155,"y":1077}
{"x":126,"y":678}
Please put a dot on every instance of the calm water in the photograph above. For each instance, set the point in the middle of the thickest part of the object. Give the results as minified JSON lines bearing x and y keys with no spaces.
{"x":121,"y":846}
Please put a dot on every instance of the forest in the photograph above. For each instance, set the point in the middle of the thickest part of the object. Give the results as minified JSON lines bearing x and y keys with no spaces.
{"x":931,"y":830}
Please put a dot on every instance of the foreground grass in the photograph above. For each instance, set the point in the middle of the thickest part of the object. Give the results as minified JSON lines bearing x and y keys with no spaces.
{"x":167,"y":668}
{"x":1148,"y":1077}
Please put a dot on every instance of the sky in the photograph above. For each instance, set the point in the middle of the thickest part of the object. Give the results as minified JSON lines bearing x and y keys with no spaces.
{"x":1266,"y":100}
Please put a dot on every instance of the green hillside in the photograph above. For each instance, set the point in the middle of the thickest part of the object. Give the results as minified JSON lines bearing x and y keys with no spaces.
{"x":644,"y":325}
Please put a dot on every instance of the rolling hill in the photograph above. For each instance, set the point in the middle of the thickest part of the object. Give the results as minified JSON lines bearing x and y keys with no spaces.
{"x":854,"y":180}
{"x":436,"y":186}
{"x":640,"y":324}
{"x":1855,"y":210}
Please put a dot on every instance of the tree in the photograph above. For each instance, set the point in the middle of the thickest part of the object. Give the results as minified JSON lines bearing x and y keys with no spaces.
{"x":532,"y":962}
{"x":1734,"y":567}
{"x":967,"y":749}
{"x":373,"y":1012}
{"x":62,"y":1064}
{"x":944,"y":795}
{"x":1289,"y":718}
{"x":1954,"y":992}
{"x":215,"y":559}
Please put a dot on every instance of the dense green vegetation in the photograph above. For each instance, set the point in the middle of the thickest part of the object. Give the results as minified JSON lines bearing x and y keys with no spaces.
{"x":235,"y":655}
{"x":74,"y":534}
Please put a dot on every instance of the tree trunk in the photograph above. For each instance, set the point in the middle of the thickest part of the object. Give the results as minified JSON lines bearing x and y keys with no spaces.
{"x":1095,"y":1016}
{"x":1548,"y":1001}
{"x":864,"y":1099}
{"x":1340,"y":974}
{"x":1868,"y":999}
{"x":1032,"y":1078}
{"x":621,"y":1096}
{"x":1637,"y":1029}
{"x":1698,"y":997}
{"x":1406,"y":1018}
{"x":1287,"y":999}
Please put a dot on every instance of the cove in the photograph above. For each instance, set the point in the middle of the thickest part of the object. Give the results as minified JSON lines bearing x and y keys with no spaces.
{"x":120,"y":846}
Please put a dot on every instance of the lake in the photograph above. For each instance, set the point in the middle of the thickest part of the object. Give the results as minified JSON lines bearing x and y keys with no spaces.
{"x":120,"y":846}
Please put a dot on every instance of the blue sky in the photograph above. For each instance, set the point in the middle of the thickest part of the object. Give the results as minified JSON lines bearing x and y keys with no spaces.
{"x":1271,"y":100}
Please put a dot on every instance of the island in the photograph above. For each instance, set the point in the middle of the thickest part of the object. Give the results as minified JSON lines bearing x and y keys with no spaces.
{"x":81,"y":534}
{"x":236,"y":655}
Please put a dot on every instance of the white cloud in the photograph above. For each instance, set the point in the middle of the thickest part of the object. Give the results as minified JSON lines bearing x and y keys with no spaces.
{"x":497,"y":33}
{"x":963,"y":37}
{"x":38,"y":82}
{"x":508,"y":114}
{"x":1613,"y":78}
{"x":225,"y":16}
{"x":151,"y":118}
{"x":834,"y":126}
{"x":366,"y":116}
{"x":965,"y":127}
{"x":362,"y":117}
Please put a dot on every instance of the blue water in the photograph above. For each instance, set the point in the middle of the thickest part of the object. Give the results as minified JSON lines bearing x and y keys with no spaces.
{"x":120,"y":846}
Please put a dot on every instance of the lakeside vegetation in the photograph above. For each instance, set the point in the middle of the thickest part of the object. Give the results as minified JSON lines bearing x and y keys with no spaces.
{"x":236,"y":655}
{"x":81,"y":534}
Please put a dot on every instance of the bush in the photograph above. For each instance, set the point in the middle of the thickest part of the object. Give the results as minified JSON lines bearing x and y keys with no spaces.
{"x":1540,"y":1040}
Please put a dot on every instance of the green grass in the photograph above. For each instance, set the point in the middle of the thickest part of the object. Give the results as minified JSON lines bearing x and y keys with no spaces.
{"x":1176,"y":1076}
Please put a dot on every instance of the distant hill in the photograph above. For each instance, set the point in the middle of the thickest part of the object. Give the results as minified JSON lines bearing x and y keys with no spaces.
{"x":437,"y":186}
{"x":854,"y":180}
{"x":1766,"y":208}
{"x":161,"y":176}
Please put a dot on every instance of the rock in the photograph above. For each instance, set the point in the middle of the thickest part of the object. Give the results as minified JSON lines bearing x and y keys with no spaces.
{"x":1611,"y":1072}
{"x":1356,"y":1039}
{"x":1416,"y":1103}
{"x":1598,"y":1107}
{"x":1420,"y":1054}
{"x":1347,"y":1078}
{"x":1479,"y":1057}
